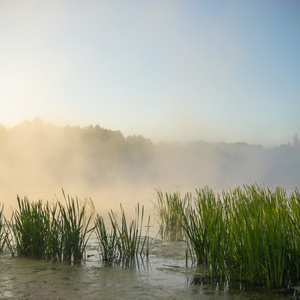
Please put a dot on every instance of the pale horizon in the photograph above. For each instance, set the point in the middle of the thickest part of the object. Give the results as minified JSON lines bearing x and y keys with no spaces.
{"x":167,"y":70}
{"x":289,"y":140}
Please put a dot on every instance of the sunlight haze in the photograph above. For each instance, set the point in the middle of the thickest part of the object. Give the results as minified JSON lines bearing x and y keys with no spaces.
{"x":168,"y":70}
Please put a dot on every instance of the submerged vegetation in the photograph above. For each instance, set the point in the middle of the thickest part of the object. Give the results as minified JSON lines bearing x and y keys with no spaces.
{"x":247,"y":234}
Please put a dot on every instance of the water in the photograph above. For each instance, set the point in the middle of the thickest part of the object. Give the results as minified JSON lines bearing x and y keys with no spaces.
{"x":164,"y":276}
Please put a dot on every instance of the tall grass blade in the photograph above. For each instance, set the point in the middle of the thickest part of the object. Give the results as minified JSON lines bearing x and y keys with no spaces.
{"x":124,"y":242}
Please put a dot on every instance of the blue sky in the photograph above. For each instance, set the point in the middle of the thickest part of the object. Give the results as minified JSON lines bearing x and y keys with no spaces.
{"x":168,"y":70}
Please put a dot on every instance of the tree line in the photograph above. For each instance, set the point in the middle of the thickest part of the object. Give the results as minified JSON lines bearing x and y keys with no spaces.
{"x":35,"y":151}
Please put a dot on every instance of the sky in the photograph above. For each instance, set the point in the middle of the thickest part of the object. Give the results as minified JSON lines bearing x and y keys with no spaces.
{"x":168,"y":70}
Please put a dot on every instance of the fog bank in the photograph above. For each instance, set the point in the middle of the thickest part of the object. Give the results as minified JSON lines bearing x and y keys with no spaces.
{"x":38,"y":160}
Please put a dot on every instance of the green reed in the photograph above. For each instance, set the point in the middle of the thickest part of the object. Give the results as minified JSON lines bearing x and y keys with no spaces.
{"x":259,"y":222}
{"x":58,"y":232}
{"x":28,"y":228}
{"x":2,"y":232}
{"x":109,"y":240}
{"x":75,"y":227}
{"x":249,"y":234}
{"x":168,"y":210}
{"x":124,"y":242}
{"x":293,"y":235}
{"x":52,"y":233}
{"x":203,"y":226}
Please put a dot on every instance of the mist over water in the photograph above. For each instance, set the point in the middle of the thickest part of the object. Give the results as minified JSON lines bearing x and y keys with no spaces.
{"x":37,"y":160}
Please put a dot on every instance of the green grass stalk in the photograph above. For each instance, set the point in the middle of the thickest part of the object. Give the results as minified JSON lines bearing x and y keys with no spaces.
{"x":59,"y":232}
{"x":168,"y":210}
{"x":2,"y":232}
{"x":75,"y":228}
{"x":249,"y":234}
{"x":124,"y":242}
{"x":109,"y":240}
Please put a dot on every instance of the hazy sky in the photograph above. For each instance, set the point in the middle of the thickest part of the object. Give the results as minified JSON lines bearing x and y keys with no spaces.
{"x":169,"y":70}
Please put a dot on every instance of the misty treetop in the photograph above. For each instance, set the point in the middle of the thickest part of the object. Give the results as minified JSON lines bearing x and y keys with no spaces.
{"x":34,"y":151}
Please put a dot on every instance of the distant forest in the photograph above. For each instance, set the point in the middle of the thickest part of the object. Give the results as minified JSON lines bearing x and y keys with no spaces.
{"x":34,"y":153}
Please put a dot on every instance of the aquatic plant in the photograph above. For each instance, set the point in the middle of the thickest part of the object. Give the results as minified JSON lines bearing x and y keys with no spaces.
{"x":250,"y":234}
{"x":109,"y":240}
{"x":131,"y":239}
{"x":58,"y":232}
{"x":28,"y":228}
{"x":258,"y":219}
{"x":168,"y":210}
{"x":2,"y":234}
{"x":75,"y":227}
{"x":123,"y":242}
{"x":202,"y":223}
{"x":293,"y":261}
{"x":52,"y":232}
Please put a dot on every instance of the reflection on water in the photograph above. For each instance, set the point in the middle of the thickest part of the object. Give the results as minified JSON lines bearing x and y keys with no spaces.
{"x":164,"y":276}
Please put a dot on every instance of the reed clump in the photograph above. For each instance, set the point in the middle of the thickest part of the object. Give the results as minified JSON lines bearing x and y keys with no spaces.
{"x":168,"y":210}
{"x":261,"y":236}
{"x":249,"y":234}
{"x":2,"y":233}
{"x":124,"y":242}
{"x":58,"y":232}
{"x":202,"y":224}
{"x":28,"y":228}
{"x":76,"y":218}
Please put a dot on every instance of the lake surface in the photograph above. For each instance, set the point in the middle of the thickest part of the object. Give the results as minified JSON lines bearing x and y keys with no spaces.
{"x":163,"y":276}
